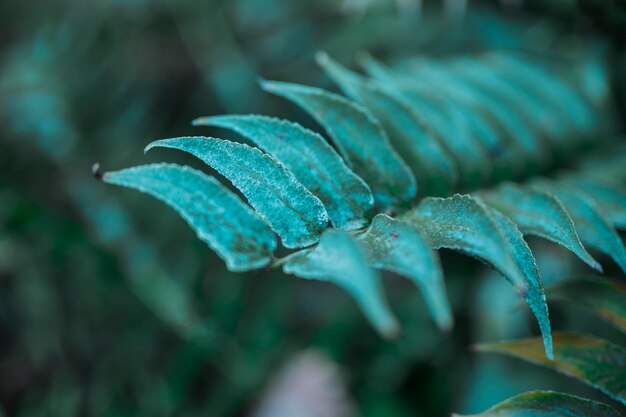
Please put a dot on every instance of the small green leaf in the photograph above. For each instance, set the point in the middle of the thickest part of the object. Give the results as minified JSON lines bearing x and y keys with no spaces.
{"x":610,"y":197}
{"x":339,"y":259}
{"x":431,"y":164}
{"x":311,"y":160}
{"x":296,"y":215}
{"x":539,"y":214}
{"x":443,"y":117}
{"x":593,"y":227}
{"x":605,"y":296}
{"x":467,"y":225}
{"x":597,"y":362}
{"x":217,"y":215}
{"x":359,"y":138}
{"x":547,"y":404}
{"x":399,"y":247}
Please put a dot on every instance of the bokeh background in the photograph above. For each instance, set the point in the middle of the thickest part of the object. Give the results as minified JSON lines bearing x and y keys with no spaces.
{"x":110,"y":306}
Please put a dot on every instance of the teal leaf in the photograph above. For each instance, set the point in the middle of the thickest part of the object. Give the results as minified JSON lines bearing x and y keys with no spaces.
{"x":604,"y":296}
{"x":500,"y":83}
{"x":525,"y":261}
{"x":217,"y":215}
{"x":547,"y":404}
{"x":431,"y":164}
{"x":313,"y":162}
{"x":400,"y":247}
{"x":296,"y":215}
{"x":359,"y":138}
{"x":486,"y":115}
{"x":536,"y":78}
{"x":610,"y":197}
{"x":465,"y":224}
{"x":339,"y":259}
{"x":540,"y":214}
{"x":593,"y":228}
{"x":597,"y":362}
{"x":449,"y":122}
{"x":488,"y":101}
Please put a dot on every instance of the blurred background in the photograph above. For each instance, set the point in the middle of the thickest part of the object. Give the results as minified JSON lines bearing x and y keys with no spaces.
{"x":109,"y":304}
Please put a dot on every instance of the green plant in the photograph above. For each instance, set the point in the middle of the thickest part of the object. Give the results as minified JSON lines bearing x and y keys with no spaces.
{"x":408,"y":143}
{"x":593,"y":360}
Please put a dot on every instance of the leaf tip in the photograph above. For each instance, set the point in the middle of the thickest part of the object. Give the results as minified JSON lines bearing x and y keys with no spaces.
{"x":362,"y":57}
{"x":265,"y":85}
{"x":95,"y":171}
{"x":198,"y":121}
{"x":151,"y":145}
{"x":446,"y":324}
{"x":321,"y":57}
{"x":596,"y":265}
{"x":391,"y":330}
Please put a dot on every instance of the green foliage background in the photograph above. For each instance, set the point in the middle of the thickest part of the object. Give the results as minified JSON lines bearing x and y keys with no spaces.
{"x":109,"y":305}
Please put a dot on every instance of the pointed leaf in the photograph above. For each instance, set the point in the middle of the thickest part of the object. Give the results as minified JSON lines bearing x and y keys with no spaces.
{"x":592,"y":226}
{"x":295,"y":214}
{"x":539,"y":214}
{"x":525,"y":261}
{"x":312,"y":161}
{"x":465,"y":224}
{"x":339,"y":259}
{"x":432,"y":166}
{"x":610,"y":197}
{"x":595,"y":361}
{"x":219,"y":218}
{"x":547,"y":404}
{"x":605,"y":296}
{"x":359,"y":138}
{"x":399,"y":247}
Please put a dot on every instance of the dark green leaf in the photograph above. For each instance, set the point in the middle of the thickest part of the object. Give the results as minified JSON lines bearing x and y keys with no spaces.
{"x":311,"y":160}
{"x":594,"y":361}
{"x":359,"y":138}
{"x":605,"y":296}
{"x":547,"y":404}
{"x":339,"y":259}
{"x":218,"y":216}
{"x":399,"y":247}
{"x":296,"y":215}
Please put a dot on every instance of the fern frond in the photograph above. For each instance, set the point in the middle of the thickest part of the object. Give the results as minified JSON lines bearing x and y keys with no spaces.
{"x":416,"y":135}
